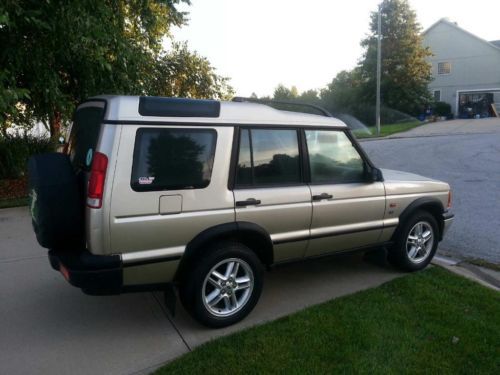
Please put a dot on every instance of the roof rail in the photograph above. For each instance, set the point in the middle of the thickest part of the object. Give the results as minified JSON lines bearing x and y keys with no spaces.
{"x":318,"y":108}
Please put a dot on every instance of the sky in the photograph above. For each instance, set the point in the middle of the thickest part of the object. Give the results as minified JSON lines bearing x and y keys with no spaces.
{"x":262,"y":43}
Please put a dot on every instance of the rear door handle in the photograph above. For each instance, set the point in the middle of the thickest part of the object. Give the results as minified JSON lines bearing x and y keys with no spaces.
{"x":321,"y":197}
{"x":248,"y":202}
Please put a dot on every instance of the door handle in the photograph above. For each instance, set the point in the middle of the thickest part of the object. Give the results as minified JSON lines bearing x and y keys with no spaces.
{"x":321,"y":197}
{"x":248,"y":202}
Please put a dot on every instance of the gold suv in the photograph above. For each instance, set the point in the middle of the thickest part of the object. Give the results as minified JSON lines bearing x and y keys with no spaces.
{"x":203,"y":195}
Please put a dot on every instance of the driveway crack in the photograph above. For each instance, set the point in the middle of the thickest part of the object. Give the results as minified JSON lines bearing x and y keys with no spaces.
{"x":169,"y":318}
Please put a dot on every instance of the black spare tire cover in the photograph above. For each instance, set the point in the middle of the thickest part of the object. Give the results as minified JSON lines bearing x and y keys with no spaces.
{"x":56,"y":202}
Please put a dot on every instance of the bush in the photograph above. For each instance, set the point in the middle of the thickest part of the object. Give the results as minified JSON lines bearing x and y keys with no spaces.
{"x":442,"y":109}
{"x":15,"y":152}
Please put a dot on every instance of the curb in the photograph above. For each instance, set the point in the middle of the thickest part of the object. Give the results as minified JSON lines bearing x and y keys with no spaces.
{"x":475,"y":273}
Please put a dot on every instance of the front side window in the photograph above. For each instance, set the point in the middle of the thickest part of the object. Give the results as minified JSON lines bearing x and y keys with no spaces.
{"x":172,"y":159}
{"x":333,"y":158}
{"x":268,"y":157}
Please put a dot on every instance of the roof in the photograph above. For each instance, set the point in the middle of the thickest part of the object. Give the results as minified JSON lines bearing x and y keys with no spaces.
{"x":126,"y":109}
{"x":495,"y":44}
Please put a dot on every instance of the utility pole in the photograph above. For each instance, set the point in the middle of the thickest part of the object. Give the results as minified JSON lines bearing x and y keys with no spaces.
{"x":379,"y":67}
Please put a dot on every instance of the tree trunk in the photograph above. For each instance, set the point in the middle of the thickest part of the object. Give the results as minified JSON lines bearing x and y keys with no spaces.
{"x":55,"y":125}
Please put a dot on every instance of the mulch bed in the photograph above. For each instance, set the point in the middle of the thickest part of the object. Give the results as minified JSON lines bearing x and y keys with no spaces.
{"x":13,"y":188}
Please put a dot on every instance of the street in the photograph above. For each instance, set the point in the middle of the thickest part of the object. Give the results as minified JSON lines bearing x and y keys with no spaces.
{"x":466,"y":154}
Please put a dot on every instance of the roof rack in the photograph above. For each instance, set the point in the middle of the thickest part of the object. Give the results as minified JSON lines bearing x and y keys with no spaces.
{"x":318,"y":108}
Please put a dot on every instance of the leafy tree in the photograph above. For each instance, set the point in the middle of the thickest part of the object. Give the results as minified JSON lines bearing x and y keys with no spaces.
{"x":309,"y":96}
{"x":183,"y":73}
{"x":405,"y":71}
{"x":56,"y":53}
{"x":342,"y":95}
{"x":282,"y":92}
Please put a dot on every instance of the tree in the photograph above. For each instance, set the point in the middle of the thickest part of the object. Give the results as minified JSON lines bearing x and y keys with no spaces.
{"x":282,"y":92}
{"x":405,"y":71}
{"x":56,"y":53}
{"x":342,"y":95}
{"x":183,"y":73}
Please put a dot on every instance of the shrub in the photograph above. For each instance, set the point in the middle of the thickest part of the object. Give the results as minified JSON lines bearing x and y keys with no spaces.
{"x":442,"y":109}
{"x":15,"y":152}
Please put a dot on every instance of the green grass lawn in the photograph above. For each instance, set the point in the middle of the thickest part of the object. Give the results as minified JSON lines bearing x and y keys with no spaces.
{"x":427,"y":322}
{"x":14,"y":202}
{"x":388,"y":129}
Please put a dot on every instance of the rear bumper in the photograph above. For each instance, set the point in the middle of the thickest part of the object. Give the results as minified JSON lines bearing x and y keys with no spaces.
{"x":95,"y":274}
{"x":447,"y":221}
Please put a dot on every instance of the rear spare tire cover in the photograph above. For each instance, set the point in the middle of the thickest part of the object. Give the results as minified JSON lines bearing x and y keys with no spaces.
{"x":56,"y":202}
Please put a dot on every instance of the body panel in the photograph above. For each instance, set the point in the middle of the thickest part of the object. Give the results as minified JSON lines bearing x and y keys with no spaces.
{"x":355,"y":207}
{"x":97,"y":221}
{"x":136,"y":221}
{"x":284,"y":212}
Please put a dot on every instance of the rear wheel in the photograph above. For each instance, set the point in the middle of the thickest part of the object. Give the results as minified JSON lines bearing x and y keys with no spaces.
{"x":416,"y":242}
{"x":224,"y":286}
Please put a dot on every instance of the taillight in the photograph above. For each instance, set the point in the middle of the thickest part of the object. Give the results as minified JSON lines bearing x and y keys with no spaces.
{"x":96,"y":180}
{"x":449,"y":199}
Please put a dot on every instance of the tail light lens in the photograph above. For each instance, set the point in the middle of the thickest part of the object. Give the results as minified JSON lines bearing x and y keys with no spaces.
{"x":449,"y":199}
{"x":96,"y":180}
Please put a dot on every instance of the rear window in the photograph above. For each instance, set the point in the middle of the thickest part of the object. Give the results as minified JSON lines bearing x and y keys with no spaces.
{"x":84,"y":135}
{"x":173,"y":159}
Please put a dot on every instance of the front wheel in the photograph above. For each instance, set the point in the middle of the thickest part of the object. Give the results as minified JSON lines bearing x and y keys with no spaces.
{"x":416,"y":242}
{"x":224,"y":286}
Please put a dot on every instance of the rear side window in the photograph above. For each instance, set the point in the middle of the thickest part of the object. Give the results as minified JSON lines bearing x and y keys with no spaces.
{"x":84,"y":135}
{"x":268,"y":157}
{"x":173,"y":159}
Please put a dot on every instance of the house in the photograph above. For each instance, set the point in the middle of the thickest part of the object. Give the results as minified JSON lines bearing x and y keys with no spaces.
{"x":465,"y":68}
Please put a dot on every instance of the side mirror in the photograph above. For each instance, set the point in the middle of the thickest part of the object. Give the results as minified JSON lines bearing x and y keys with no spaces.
{"x":376,"y":175}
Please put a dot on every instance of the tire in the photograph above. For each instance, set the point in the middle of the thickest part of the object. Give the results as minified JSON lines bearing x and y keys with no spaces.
{"x":205,"y":301}
{"x":413,"y":249}
{"x":56,"y":202}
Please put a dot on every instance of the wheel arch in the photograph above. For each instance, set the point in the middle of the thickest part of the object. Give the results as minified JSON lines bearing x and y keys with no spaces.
{"x":430,"y":204}
{"x":250,"y":234}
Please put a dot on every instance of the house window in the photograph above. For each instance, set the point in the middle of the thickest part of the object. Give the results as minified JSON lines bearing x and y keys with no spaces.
{"x":444,"y":68}
{"x":437,"y":95}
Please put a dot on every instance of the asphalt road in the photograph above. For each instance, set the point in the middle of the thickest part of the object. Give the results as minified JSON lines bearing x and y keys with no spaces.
{"x":466,"y":154}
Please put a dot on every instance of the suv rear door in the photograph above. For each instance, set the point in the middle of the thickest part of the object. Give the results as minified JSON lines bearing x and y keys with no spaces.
{"x":270,"y":190}
{"x":348,"y":209}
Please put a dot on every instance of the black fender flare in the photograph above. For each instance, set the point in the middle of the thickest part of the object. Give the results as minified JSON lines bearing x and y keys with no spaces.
{"x":250,"y":234}
{"x":430,"y":204}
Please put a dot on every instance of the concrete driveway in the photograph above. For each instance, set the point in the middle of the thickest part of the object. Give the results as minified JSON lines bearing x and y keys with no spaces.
{"x":453,"y":127}
{"x":47,"y":326}
{"x":466,"y":154}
